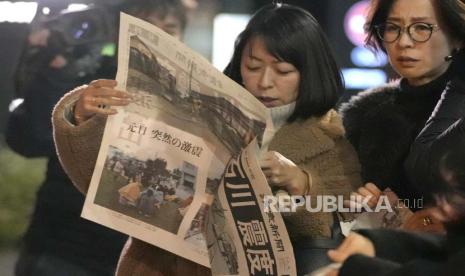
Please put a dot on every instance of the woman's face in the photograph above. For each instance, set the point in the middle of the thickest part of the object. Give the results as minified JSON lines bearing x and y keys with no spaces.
{"x":418,"y":62}
{"x":273,"y":82}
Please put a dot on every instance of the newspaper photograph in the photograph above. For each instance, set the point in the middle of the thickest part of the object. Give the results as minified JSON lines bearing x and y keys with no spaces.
{"x":165,"y":160}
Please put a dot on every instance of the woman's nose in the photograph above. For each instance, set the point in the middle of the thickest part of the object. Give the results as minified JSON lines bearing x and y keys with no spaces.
{"x":266,"y":78}
{"x":405,"y":40}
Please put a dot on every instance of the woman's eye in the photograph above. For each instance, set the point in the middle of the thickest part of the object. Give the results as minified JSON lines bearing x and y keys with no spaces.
{"x":252,"y":68}
{"x":421,"y":27}
{"x":284,"y":72}
{"x":391,"y":29}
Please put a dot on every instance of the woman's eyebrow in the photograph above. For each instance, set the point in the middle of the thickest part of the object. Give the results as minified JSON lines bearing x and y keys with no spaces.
{"x":416,"y":18}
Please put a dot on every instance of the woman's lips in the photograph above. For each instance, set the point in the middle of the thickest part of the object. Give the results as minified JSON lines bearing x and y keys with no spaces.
{"x":407,"y":61}
{"x":267,"y":101}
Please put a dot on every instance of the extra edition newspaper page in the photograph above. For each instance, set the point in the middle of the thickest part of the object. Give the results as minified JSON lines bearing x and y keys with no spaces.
{"x":185,"y":150}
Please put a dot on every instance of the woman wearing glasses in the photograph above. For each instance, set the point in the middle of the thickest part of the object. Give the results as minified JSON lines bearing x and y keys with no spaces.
{"x":424,"y":41}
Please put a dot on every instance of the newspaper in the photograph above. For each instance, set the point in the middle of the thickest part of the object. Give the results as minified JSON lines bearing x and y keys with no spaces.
{"x":394,"y":217}
{"x":178,"y":167}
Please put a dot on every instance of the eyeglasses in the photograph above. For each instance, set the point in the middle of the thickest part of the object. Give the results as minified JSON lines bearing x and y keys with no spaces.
{"x":418,"y":31}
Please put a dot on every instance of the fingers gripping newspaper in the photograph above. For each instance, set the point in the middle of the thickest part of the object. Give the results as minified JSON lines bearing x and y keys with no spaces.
{"x":178,"y":166}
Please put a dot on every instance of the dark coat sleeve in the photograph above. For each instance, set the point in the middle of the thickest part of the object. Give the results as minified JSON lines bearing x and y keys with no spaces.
{"x":398,"y":253}
{"x":402,"y":246}
{"x":362,"y":265}
{"x":359,"y":265}
{"x":29,"y":127}
{"x":444,"y":129}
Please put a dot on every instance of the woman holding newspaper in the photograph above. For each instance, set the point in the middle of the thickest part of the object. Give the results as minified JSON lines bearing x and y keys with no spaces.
{"x":283,"y":59}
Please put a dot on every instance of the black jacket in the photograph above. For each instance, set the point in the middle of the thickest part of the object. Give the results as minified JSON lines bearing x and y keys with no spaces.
{"x":443,"y":131}
{"x":56,"y":227}
{"x":382,"y":123}
{"x":401,"y":253}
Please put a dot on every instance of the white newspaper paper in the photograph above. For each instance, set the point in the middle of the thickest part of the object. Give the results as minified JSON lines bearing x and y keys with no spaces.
{"x":162,"y":172}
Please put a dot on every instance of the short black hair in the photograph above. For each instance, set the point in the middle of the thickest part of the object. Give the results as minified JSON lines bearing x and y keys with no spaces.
{"x":293,"y":35}
{"x":451,"y":13}
{"x":161,"y":7}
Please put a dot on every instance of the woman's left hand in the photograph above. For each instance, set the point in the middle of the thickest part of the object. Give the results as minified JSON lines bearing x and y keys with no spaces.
{"x":282,"y":172}
{"x":424,"y":221}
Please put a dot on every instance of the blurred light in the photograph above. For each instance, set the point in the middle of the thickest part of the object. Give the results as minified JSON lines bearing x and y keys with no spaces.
{"x":109,"y":50}
{"x":17,"y":12}
{"x":354,"y":22}
{"x":363,"y":57}
{"x":15,"y":103}
{"x":356,"y":78}
{"x":76,"y":7}
{"x":226,"y":27}
{"x":46,"y":10}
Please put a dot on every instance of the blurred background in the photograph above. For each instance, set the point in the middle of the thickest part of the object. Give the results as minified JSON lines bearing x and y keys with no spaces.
{"x":211,"y":30}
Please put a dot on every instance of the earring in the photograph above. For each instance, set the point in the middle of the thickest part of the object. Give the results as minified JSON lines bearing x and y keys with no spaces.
{"x":451,"y":56}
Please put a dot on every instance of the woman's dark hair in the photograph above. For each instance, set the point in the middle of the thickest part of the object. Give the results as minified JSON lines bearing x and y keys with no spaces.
{"x":293,"y":35}
{"x":160,"y":7}
{"x":450,"y":12}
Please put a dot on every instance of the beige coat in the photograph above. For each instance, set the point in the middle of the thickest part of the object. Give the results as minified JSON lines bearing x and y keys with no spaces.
{"x":316,"y":145}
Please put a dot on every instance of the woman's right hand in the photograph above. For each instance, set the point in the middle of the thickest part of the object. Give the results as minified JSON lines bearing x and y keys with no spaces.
{"x":368,"y":194}
{"x":98,"y":98}
{"x":354,"y":243}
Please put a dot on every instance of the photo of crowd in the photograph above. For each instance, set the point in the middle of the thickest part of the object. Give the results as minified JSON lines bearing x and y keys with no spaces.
{"x":147,"y":189}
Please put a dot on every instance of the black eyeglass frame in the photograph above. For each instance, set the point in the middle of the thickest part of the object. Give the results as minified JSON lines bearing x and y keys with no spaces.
{"x":400,"y":30}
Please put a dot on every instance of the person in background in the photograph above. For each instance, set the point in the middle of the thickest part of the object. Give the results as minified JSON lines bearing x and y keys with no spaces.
{"x":422,"y":38}
{"x":58,"y":241}
{"x":284,"y":60}
{"x":383,"y":252}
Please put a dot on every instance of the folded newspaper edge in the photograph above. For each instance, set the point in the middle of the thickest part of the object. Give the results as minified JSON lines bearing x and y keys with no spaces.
{"x":178,"y":168}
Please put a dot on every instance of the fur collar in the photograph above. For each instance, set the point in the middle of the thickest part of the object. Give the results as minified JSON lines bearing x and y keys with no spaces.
{"x":301,"y":140}
{"x":371,"y":99}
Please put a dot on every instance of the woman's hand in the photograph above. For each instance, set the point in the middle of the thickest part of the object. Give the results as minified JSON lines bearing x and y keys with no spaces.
{"x":353,"y":244}
{"x":368,"y":193}
{"x":282,"y":172}
{"x":97,"y":98}
{"x":425,"y":220}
